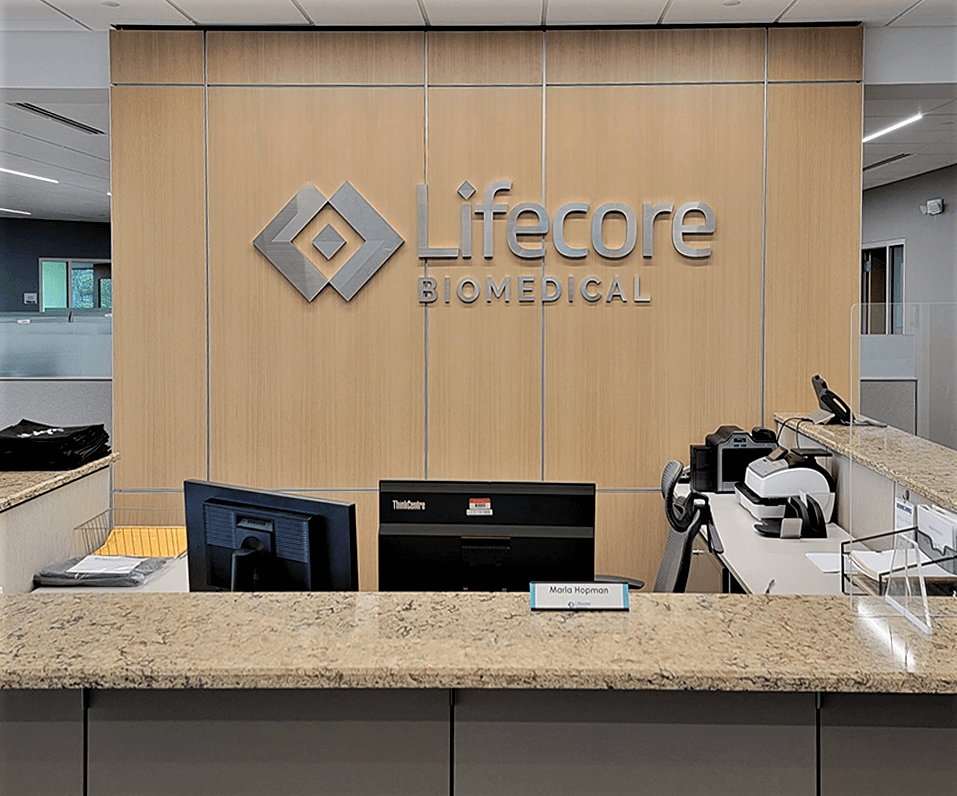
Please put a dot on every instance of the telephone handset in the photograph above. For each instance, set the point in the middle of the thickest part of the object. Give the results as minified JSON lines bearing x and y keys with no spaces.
{"x":831,"y":402}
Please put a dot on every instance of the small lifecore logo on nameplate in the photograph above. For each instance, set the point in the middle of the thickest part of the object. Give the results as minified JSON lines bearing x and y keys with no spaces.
{"x":578,"y":596}
{"x":479,"y":507}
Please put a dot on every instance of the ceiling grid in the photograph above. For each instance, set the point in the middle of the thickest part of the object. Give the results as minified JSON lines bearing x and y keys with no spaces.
{"x":46,"y":147}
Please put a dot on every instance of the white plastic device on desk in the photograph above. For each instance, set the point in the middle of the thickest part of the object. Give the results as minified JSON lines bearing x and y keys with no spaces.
{"x":782,"y":474}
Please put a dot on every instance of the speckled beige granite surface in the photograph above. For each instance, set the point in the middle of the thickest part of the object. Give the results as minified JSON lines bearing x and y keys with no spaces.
{"x":19,"y":487}
{"x":436,"y":640}
{"x":926,"y":467}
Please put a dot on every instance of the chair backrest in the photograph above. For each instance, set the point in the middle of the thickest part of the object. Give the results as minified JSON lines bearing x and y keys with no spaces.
{"x":685,"y":517}
{"x":676,"y":561}
{"x":674,"y":507}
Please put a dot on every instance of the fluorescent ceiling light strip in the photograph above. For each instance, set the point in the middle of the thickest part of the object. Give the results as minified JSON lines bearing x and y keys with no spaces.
{"x":21,"y":212}
{"x":31,"y":176}
{"x":893,"y":127}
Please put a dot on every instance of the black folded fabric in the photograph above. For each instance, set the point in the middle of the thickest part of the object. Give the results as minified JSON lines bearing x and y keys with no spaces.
{"x":59,"y":574}
{"x":36,"y":446}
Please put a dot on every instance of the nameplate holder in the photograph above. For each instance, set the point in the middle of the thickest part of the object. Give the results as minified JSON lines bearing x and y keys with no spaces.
{"x":578,"y":596}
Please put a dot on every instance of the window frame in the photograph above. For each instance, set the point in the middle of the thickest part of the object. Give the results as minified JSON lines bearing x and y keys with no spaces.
{"x":94,"y":261}
{"x":887,"y":245}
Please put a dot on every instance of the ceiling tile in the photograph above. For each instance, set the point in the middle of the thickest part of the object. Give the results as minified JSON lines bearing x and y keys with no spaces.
{"x":687,"y":12}
{"x":945,"y":146}
{"x":363,"y":12}
{"x":14,"y":122}
{"x":911,"y":134}
{"x":930,"y":13}
{"x":485,"y":12}
{"x":130,"y":12}
{"x":871,"y":160}
{"x":243,"y":12}
{"x":28,"y":15}
{"x":943,"y":123}
{"x":920,"y":163}
{"x":870,"y":12}
{"x":893,"y":110}
{"x":66,"y":176}
{"x":43,"y":155}
{"x":875,"y":151}
{"x":604,"y":12}
{"x":945,"y":110}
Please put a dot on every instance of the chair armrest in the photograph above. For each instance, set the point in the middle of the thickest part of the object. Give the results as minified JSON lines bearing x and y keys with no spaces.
{"x":633,"y":583}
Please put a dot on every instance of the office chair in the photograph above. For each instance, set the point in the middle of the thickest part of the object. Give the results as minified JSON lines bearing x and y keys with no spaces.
{"x":686,"y":517}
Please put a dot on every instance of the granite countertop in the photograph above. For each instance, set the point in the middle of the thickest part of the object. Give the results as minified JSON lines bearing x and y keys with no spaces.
{"x":918,"y":464}
{"x":20,"y":486}
{"x":462,"y":640}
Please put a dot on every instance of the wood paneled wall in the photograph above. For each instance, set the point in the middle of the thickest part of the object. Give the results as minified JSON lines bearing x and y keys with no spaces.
{"x":224,"y":371}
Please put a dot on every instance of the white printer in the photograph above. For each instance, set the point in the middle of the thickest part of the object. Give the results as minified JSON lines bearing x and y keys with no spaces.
{"x":782,"y":474}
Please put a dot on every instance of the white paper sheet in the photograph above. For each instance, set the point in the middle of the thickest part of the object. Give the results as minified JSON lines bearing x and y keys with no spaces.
{"x":106,"y":565}
{"x":826,"y":562}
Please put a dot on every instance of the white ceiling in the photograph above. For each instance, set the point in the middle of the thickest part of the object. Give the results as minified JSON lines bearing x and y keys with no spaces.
{"x":104,"y":14}
{"x":80,"y":161}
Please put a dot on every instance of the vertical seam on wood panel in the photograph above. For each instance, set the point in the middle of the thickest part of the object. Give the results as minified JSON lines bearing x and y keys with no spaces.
{"x":112,"y":323}
{"x":541,"y":419}
{"x":206,"y":189}
{"x":855,"y":323}
{"x":764,"y":239}
{"x":425,"y":263}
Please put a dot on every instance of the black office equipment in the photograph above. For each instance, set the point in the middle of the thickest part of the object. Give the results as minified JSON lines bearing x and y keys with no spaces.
{"x":484,"y":535}
{"x":242,"y":539}
{"x":831,"y":403}
{"x":721,"y":462}
{"x":803,"y":518}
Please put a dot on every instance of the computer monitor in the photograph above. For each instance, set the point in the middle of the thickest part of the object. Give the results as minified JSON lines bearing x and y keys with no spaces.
{"x":484,"y":535}
{"x":242,"y":539}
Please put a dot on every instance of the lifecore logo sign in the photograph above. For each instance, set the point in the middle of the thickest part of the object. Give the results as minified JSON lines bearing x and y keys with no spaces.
{"x":380,"y":241}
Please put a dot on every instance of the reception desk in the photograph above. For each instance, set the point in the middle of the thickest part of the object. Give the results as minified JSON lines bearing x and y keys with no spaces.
{"x":872,"y":465}
{"x":471,"y":694}
{"x":38,"y":513}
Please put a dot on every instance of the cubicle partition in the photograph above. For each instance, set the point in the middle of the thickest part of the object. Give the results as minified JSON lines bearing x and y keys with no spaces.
{"x":563,"y":255}
{"x":56,"y":368}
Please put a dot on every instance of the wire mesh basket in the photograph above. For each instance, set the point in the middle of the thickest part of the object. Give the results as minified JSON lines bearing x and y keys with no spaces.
{"x":132,"y":532}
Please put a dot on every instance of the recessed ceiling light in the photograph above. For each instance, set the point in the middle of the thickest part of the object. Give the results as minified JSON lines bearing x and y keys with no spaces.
{"x":111,"y":3}
{"x":730,"y":3}
{"x":20,"y":212}
{"x":911,"y":120}
{"x":31,"y":176}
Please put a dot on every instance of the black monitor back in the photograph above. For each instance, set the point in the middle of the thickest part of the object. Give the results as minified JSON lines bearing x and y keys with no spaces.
{"x":312,"y":542}
{"x":484,"y":535}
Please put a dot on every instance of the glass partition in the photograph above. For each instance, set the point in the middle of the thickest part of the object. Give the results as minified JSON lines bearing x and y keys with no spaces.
{"x":56,"y":345}
{"x":899,"y":483}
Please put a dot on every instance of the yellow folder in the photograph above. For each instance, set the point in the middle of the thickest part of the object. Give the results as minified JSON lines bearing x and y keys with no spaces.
{"x":162,"y":541}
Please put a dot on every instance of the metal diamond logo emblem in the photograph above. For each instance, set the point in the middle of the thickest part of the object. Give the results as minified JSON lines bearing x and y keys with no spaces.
{"x":380,"y":241}
{"x":328,"y":242}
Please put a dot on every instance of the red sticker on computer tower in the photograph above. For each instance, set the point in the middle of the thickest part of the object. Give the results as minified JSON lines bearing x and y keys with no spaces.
{"x":479,"y":507}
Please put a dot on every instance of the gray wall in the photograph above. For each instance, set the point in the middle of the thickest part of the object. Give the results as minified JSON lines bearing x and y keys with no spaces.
{"x":24,"y":241}
{"x":892,"y":212}
{"x":64,"y":402}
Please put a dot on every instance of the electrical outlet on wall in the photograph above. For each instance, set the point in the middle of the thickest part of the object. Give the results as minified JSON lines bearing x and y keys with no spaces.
{"x":29,"y":298}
